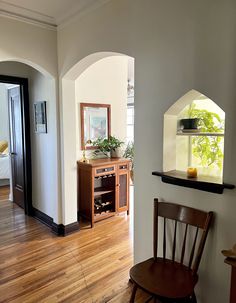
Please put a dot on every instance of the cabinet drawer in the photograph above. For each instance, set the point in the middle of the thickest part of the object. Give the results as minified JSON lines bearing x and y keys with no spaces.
{"x":124,"y":166}
{"x":100,"y":171}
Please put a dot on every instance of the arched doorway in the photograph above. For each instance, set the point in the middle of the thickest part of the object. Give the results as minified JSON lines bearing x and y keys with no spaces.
{"x":71,"y":132}
{"x":44,"y":146}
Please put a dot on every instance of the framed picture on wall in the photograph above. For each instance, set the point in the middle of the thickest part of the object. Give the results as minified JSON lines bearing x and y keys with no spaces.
{"x":95,"y":123}
{"x":40,"y":117}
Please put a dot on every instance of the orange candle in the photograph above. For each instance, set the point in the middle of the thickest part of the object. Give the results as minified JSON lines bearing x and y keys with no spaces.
{"x":191,"y":172}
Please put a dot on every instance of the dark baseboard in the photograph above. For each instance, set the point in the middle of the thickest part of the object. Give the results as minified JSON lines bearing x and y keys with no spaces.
{"x":59,"y":229}
{"x":70,"y":228}
{"x":42,"y":217}
{"x":64,"y":230}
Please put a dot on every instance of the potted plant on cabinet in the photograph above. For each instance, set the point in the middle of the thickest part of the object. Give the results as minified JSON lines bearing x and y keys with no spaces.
{"x":110,"y":147}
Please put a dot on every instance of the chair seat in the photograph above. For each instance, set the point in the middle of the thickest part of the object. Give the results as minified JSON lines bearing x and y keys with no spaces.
{"x":164,"y":278}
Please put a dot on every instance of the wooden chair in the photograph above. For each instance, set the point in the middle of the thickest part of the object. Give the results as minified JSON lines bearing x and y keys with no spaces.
{"x":167,"y":280}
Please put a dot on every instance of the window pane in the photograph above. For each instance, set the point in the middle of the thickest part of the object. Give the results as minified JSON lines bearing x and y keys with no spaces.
{"x":130,"y":132}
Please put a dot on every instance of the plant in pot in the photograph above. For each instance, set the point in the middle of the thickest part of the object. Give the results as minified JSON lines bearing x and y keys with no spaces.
{"x":207,"y":149}
{"x":108,"y":147}
{"x":129,"y":154}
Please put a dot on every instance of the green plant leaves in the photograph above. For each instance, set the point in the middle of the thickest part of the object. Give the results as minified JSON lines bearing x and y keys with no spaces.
{"x":129,"y":152}
{"x":105,"y":146}
{"x":208,"y":149}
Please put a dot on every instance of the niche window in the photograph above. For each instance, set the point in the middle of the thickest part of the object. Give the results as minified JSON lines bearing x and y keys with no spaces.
{"x":200,"y":145}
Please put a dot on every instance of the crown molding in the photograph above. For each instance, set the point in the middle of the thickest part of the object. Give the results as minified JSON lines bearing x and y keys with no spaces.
{"x":34,"y":18}
{"x":63,"y":22}
{"x":25,"y":14}
{"x":27,"y":20}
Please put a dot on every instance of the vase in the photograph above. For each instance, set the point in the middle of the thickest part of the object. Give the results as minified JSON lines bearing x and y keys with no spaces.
{"x":117,"y":153}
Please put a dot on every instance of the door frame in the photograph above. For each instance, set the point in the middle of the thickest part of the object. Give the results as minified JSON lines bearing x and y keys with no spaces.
{"x":23,"y":82}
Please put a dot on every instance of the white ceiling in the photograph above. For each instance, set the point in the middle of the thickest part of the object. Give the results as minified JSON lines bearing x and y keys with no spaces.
{"x":51,"y":12}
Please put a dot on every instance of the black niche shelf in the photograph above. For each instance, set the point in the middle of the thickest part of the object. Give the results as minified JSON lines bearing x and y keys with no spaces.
{"x":209,"y":184}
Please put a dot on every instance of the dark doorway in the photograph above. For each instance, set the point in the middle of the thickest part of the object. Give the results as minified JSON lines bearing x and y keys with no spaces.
{"x":20,"y":152}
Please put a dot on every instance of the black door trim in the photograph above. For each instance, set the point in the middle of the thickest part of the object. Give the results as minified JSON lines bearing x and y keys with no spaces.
{"x":23,"y":82}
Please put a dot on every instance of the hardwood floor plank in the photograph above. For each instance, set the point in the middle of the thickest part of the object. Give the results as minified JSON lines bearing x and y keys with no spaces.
{"x":90,"y":266}
{"x":4,"y":192}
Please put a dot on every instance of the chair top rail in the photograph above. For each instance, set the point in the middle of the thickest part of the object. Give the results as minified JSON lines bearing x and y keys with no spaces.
{"x":184,"y":214}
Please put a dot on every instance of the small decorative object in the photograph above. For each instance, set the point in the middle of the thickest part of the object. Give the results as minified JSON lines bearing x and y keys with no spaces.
{"x":192,"y":172}
{"x":107,"y":146}
{"x":95,"y":123}
{"x":84,"y":159}
{"x":40,"y":117}
{"x":230,"y":253}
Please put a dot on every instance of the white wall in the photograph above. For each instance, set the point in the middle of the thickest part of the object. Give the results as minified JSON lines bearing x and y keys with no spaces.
{"x":4,"y":121}
{"x":105,"y":82}
{"x":177,"y":46}
{"x":45,"y":166}
{"x":29,"y":44}
{"x":37,"y":47}
{"x":43,"y":146}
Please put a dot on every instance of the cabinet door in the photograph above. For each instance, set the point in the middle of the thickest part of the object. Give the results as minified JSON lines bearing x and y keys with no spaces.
{"x":123,"y":191}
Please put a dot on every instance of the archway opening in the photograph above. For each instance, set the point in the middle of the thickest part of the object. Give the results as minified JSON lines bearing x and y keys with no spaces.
{"x":70,"y":116}
{"x":44,"y":146}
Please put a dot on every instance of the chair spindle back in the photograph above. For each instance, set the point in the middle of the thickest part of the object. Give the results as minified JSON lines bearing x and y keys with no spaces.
{"x":189,"y":217}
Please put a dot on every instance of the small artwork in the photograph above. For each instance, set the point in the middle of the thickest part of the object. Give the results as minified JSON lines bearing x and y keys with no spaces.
{"x":95,"y":123}
{"x":40,"y":117}
{"x":98,"y":127}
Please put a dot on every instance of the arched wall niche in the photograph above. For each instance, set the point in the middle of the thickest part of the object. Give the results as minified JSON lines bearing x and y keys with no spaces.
{"x":171,"y":125}
{"x":70,"y":135}
{"x":44,"y":147}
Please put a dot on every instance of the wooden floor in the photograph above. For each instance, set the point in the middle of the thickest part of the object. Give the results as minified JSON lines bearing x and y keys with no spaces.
{"x":89,"y":266}
{"x":4,"y":192}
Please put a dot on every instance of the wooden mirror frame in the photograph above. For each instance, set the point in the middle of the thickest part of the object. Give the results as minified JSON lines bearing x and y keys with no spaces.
{"x":96,"y":105}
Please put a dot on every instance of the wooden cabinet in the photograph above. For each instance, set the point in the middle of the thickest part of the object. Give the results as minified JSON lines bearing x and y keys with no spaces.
{"x":103,"y":188}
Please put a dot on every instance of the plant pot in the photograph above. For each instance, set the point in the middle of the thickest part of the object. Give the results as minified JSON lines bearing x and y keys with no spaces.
{"x":117,"y":153}
{"x":190,"y":123}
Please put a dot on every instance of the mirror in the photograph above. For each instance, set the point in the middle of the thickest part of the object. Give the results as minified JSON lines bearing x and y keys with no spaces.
{"x":95,"y":123}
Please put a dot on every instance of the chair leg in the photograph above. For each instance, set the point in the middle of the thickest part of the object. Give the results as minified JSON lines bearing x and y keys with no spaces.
{"x":133,"y":294}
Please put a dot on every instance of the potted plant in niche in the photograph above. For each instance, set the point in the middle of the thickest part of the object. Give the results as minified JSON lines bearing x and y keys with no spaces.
{"x":189,"y":121}
{"x":110,"y":147}
{"x":207,"y":149}
{"x":189,"y":124}
{"x":129,"y":154}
